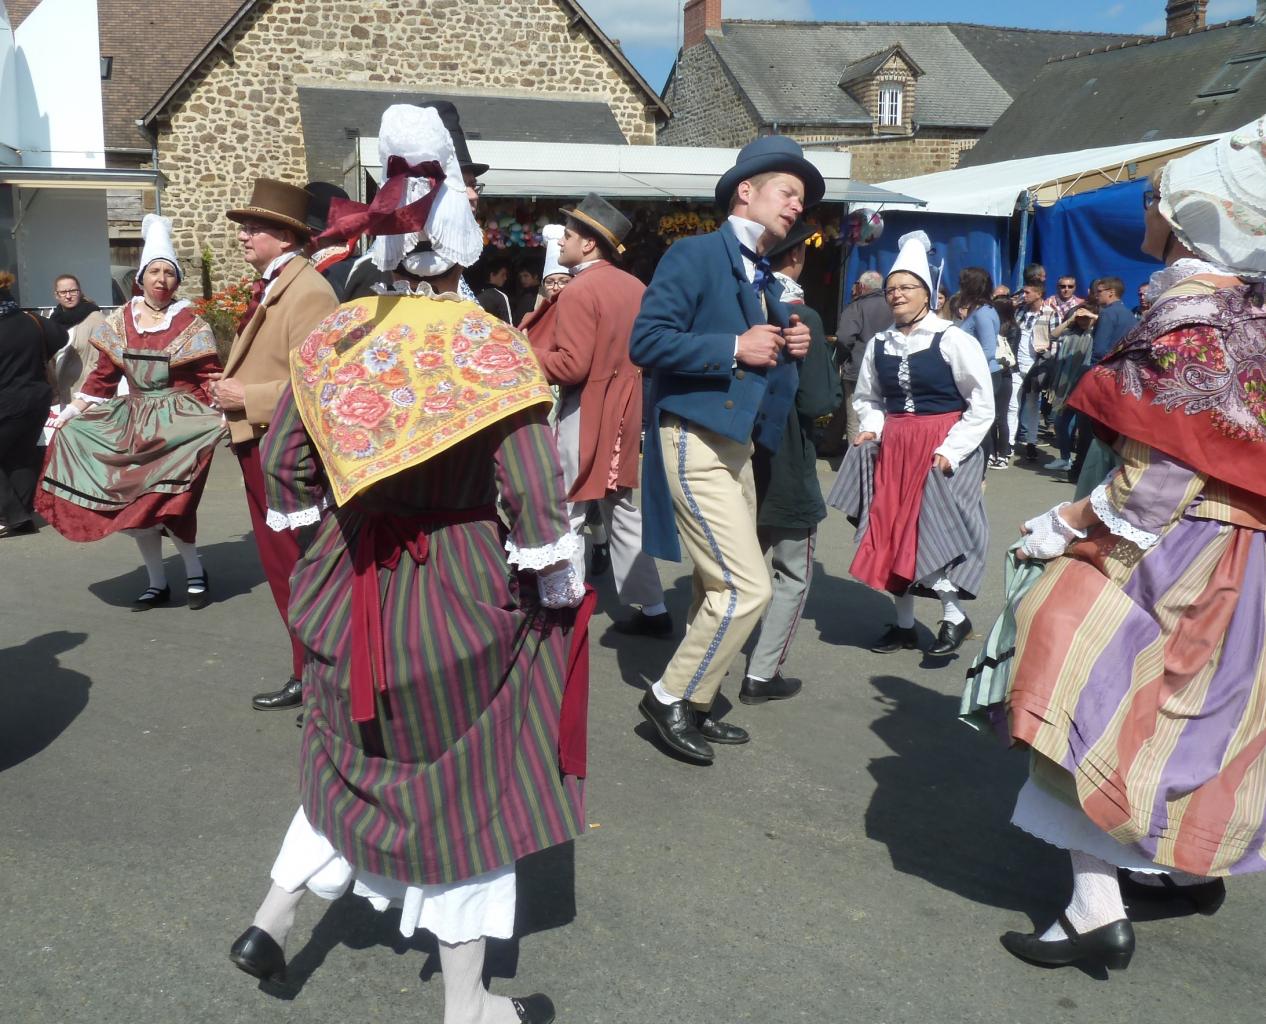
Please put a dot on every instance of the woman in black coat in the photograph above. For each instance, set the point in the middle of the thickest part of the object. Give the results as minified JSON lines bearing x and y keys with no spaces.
{"x":25,"y":396}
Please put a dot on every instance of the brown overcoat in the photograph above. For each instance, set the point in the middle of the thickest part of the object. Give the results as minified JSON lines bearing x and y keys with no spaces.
{"x":300,"y":299}
{"x":584,"y":343}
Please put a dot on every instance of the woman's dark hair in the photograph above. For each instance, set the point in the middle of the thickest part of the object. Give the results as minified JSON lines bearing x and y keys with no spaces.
{"x":975,"y":288}
{"x":1006,"y":314}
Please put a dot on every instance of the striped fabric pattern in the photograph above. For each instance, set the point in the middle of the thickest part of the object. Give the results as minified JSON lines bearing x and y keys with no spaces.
{"x":458,"y":774}
{"x":1143,"y":674}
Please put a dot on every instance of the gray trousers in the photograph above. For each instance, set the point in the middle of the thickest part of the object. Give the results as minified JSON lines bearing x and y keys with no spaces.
{"x":791,"y":553}
{"x":636,"y":578}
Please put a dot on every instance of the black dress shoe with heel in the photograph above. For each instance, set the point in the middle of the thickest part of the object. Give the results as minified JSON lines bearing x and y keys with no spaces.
{"x":950,"y":638}
{"x":1111,"y":946}
{"x":896,"y":638}
{"x":675,"y":724}
{"x":1204,"y":897}
{"x":151,"y":598}
{"x":257,"y":953}
{"x":758,"y":691}
{"x":196,"y":600}
{"x":719,"y":732}
{"x":289,"y":696}
{"x":534,"y":1009}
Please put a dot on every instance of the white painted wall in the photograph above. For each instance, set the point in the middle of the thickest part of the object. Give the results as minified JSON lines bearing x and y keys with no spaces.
{"x":8,"y":91}
{"x":62,"y":231}
{"x":58,"y":86}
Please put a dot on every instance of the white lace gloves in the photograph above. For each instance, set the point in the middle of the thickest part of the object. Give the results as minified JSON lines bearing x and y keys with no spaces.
{"x":1048,"y":535}
{"x":561,"y":588}
{"x":68,"y":413}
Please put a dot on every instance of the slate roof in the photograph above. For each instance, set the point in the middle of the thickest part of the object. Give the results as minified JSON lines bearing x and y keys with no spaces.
{"x":859,"y":69}
{"x":789,"y":70}
{"x":151,"y":45}
{"x":1134,"y":93}
{"x":328,"y":114}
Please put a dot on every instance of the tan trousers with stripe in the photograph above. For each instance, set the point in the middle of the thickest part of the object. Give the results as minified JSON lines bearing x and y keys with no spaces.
{"x":714,"y":498}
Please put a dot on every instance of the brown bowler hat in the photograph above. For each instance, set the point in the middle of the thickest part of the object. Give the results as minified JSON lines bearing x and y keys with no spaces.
{"x":279,"y":202}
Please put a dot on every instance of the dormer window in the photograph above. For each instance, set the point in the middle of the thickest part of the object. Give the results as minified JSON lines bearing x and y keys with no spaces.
{"x":890,"y":105}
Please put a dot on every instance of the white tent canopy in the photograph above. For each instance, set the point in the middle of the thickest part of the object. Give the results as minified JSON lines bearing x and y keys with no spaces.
{"x":566,"y":170}
{"x":993,"y":190}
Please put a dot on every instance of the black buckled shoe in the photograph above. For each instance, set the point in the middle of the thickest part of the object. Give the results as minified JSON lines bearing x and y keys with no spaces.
{"x":950,"y":638}
{"x":289,"y":696}
{"x":534,"y":1009}
{"x":641,"y":624}
{"x":757,"y":691}
{"x":1111,"y":946}
{"x":152,"y":598}
{"x":196,"y":600}
{"x":257,"y":953}
{"x":600,"y":560}
{"x":1204,"y":897}
{"x":896,"y":638}
{"x":719,"y":732}
{"x":675,"y":724}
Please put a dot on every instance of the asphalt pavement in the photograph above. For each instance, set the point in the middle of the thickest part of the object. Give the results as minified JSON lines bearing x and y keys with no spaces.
{"x":853,"y":863}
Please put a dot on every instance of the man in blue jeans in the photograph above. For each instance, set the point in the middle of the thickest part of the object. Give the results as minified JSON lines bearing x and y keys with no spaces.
{"x":1034,"y":318}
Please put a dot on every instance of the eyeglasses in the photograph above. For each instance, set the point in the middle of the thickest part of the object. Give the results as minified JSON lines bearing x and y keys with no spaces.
{"x":253,"y":227}
{"x":1066,"y":287}
{"x":903,"y":289}
{"x":67,"y":291}
{"x":478,"y":188}
{"x":1149,"y":198}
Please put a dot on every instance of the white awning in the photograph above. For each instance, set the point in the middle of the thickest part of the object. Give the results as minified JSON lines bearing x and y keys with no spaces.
{"x":141,"y":179}
{"x":565,"y":170}
{"x":992,"y":190}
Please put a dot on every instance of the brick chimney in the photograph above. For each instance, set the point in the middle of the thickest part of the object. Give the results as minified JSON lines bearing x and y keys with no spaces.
{"x":1184,"y":15}
{"x":699,"y":17}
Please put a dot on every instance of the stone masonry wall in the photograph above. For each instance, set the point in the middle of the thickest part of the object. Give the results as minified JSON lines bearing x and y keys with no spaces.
{"x":707,"y":110}
{"x":239,"y":119}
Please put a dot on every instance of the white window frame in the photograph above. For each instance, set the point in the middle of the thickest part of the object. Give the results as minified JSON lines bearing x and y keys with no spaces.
{"x":890,"y":100}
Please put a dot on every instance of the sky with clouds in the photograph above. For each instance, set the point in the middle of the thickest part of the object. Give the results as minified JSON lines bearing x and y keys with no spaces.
{"x":650,"y":30}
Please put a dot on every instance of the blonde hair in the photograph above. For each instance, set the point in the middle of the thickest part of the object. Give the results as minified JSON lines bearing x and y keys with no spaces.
{"x":757,"y":181}
{"x":6,"y":279}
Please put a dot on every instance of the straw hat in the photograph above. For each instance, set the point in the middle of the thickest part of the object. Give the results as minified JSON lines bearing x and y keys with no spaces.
{"x":277,"y":202}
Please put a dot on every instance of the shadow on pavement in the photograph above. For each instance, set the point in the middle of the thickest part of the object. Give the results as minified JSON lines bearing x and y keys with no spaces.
{"x":845,"y":612}
{"x":40,"y":698}
{"x":233,"y":566}
{"x":942,"y":806}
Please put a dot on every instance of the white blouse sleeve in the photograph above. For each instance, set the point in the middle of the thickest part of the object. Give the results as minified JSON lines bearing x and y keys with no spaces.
{"x":868,"y":402}
{"x":967,"y":362}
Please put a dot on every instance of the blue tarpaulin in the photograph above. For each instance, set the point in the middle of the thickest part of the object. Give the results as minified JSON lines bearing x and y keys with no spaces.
{"x":1095,"y":234}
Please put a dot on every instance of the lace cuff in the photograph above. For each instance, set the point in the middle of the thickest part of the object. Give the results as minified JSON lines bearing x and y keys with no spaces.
{"x":90,"y":399}
{"x":567,"y":547}
{"x":282,"y":521}
{"x":561,"y":589}
{"x":1108,"y":515}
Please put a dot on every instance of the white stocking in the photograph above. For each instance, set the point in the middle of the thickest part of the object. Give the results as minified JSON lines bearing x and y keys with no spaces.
{"x":1096,"y":897}
{"x":951,"y":611}
{"x":905,"y":610}
{"x":193,"y":564}
{"x":276,"y":915}
{"x":466,"y":1001}
{"x":151,"y":544}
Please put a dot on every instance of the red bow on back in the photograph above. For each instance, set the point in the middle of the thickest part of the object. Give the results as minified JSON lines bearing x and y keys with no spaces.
{"x":350,"y":219}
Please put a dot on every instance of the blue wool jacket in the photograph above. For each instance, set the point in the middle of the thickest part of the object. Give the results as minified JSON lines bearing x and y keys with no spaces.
{"x":698,"y":301}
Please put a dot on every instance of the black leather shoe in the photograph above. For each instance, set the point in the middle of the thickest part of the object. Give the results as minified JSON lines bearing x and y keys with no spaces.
{"x":757,"y":691}
{"x":198,"y":599}
{"x":642,"y":624}
{"x":896,"y":639}
{"x":1205,"y":897}
{"x":289,"y":696}
{"x":950,"y":638}
{"x":600,"y":560}
{"x":675,"y":724}
{"x":152,"y":598}
{"x":1111,"y":946}
{"x":18,"y":530}
{"x":257,"y":953}
{"x":719,"y":732}
{"x":536,"y":1009}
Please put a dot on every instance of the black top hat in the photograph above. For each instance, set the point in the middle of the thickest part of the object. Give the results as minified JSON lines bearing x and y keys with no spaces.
{"x":798,"y":233}
{"x":772,"y":153}
{"x":596,"y":213}
{"x":453,"y":122}
{"x":319,"y":205}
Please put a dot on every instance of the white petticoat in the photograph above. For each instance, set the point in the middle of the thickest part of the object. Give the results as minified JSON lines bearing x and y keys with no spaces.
{"x":1052,"y":820}
{"x":454,"y":913}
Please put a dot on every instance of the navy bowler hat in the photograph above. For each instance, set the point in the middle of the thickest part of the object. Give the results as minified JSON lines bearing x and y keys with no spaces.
{"x":772,"y":153}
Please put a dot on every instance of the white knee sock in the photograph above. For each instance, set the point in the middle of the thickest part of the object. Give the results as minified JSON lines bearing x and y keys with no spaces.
{"x":905,"y":610}
{"x":151,"y":544}
{"x":1096,"y":897}
{"x":193,"y":564}
{"x":276,"y":915}
{"x":466,"y":1001}
{"x":951,"y":612}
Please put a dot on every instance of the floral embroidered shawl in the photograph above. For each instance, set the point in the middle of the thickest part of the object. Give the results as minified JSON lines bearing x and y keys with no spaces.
{"x":1190,"y":381}
{"x":386,"y":382}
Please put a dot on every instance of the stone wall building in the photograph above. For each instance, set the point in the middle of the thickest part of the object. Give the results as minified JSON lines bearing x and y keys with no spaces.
{"x":903,"y":98}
